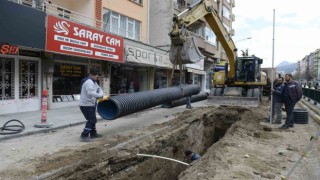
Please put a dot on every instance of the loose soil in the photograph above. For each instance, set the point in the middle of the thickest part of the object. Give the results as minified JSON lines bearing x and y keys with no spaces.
{"x":235,"y":143}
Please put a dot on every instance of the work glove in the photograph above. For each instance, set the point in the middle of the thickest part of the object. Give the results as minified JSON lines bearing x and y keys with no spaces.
{"x":103,"y":98}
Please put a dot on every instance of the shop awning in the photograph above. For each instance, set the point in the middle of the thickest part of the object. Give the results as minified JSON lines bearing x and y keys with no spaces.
{"x":142,"y":54}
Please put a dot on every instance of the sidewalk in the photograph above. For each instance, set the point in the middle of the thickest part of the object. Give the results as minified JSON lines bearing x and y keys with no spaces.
{"x":72,"y":116}
{"x":59,"y":118}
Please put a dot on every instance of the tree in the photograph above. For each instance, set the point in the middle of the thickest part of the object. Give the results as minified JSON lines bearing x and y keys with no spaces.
{"x":308,"y":75}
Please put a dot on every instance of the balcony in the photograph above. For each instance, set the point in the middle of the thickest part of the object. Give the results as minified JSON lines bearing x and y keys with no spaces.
{"x":68,"y":14}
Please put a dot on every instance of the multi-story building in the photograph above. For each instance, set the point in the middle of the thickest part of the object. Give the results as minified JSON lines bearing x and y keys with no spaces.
{"x":146,"y":67}
{"x":61,"y":41}
{"x":317,"y":64}
{"x":303,"y":66}
{"x":311,"y":65}
{"x":308,"y":67}
{"x":205,"y":39}
{"x":298,"y":70}
{"x":52,"y":45}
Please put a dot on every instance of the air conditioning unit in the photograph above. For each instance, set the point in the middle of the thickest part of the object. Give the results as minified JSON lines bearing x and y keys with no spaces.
{"x":233,"y":3}
{"x":232,"y":17}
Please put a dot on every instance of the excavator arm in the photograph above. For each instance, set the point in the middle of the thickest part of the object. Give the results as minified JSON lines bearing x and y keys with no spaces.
{"x":181,"y":40}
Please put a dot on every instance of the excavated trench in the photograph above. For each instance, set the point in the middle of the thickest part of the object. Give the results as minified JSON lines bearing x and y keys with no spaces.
{"x":195,"y":130}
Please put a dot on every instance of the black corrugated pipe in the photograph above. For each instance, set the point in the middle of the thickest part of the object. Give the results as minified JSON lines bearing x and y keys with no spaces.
{"x":182,"y":101}
{"x":117,"y":106}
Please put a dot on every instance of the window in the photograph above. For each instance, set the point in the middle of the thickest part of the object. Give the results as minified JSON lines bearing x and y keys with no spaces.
{"x":28,"y":79}
{"x":121,"y":25}
{"x":6,"y":78}
{"x":138,"y":1}
{"x":66,"y":81}
{"x":210,"y":37}
{"x":226,"y":12}
{"x":63,"y":13}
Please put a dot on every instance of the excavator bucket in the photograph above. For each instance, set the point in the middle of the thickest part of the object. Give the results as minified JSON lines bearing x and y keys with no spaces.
{"x":188,"y":52}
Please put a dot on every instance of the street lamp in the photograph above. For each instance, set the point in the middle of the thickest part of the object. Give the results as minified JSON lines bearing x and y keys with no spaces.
{"x":246,"y":52}
{"x":243,"y":39}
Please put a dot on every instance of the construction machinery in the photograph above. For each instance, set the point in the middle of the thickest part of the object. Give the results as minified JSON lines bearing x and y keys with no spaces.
{"x":232,"y":86}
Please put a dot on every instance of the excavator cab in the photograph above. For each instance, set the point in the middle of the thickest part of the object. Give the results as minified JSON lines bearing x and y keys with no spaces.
{"x":248,"y":69}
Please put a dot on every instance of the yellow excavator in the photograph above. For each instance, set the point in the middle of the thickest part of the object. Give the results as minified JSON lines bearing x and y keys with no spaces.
{"x":241,"y":81}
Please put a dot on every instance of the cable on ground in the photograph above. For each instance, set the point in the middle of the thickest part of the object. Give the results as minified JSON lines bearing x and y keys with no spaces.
{"x":7,"y":129}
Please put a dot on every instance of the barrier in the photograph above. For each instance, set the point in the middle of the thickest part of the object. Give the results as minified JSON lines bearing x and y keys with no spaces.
{"x":44,"y":107}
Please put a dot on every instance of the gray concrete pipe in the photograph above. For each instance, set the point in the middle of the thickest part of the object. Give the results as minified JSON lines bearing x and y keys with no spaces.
{"x":182,"y":101}
{"x":117,"y":106}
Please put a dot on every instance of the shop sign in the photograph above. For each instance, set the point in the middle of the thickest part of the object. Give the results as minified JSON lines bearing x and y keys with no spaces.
{"x":9,"y":49}
{"x":69,"y":70}
{"x":147,"y":56}
{"x":70,"y":38}
{"x":197,"y":65}
{"x":196,"y":71}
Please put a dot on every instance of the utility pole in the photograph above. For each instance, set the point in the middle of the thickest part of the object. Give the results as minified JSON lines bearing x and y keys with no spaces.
{"x":272,"y":70}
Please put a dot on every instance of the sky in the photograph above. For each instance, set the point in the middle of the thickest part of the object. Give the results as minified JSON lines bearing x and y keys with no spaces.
{"x":296,"y":29}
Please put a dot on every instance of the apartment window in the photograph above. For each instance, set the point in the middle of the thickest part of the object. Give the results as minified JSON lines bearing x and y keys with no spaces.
{"x":28,"y":79}
{"x":64,"y":13}
{"x":138,"y":1}
{"x":210,"y":37}
{"x":121,"y":25}
{"x":226,"y":12}
{"x":6,"y":78}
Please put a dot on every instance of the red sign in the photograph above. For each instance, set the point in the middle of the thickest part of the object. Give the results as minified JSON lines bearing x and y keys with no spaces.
{"x":70,"y":38}
{"x":9,"y":49}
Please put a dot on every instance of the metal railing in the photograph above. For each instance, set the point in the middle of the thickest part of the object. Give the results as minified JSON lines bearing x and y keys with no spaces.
{"x":312,"y":94}
{"x":79,"y":18}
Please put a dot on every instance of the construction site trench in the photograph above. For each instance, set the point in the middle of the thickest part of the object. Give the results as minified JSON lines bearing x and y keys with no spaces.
{"x":234,"y":143}
{"x":195,"y":130}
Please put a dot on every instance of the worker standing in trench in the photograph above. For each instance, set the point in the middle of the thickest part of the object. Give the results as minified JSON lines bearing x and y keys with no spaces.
{"x":192,"y":156}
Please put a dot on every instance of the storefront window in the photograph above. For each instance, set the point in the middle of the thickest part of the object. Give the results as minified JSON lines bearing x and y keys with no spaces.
{"x":176,"y":78}
{"x":160,"y":80}
{"x":128,"y":79}
{"x":66,"y":81}
{"x":198,"y":80}
{"x":209,"y":80}
{"x":6,"y":78}
{"x":28,"y":79}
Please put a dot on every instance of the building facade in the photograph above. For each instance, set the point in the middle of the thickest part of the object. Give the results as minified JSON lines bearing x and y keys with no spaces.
{"x":205,"y":39}
{"x":62,"y":41}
